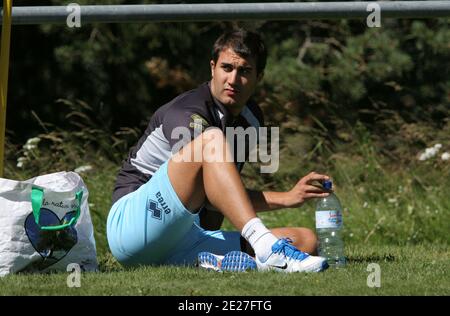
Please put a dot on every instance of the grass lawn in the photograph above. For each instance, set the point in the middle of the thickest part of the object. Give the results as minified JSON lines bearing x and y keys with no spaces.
{"x":407,"y":270}
{"x":396,"y":218}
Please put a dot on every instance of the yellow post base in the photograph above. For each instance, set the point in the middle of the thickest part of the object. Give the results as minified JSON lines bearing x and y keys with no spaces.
{"x":4,"y":67}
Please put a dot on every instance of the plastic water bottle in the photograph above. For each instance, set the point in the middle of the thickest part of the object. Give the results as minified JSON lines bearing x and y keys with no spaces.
{"x":329,"y":228}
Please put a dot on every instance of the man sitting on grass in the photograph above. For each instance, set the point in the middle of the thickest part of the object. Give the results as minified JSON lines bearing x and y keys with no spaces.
{"x":165,"y":184}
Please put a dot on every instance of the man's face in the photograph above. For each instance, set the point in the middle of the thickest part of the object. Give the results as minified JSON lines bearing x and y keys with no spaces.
{"x":234,"y":80}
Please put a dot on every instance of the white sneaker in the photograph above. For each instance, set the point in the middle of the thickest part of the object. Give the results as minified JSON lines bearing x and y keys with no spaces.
{"x":209,"y":261}
{"x":233,"y":261}
{"x":286,"y":258}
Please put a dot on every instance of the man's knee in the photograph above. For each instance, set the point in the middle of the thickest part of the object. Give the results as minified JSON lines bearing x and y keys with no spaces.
{"x":215,"y":147}
{"x":200,"y":147}
{"x":308,"y":240}
{"x":303,"y":238}
{"x":213,"y":134}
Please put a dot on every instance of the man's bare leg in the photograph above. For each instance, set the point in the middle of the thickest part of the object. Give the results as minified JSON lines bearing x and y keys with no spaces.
{"x":217,"y":179}
{"x":224,"y":188}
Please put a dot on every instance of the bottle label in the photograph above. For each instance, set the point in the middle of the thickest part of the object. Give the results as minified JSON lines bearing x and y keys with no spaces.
{"x":328,"y":219}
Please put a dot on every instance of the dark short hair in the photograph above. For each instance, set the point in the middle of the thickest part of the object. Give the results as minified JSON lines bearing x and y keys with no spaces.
{"x":245,"y":44}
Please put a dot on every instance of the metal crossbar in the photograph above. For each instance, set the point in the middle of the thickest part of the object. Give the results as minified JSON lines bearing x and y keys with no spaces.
{"x":235,"y":11}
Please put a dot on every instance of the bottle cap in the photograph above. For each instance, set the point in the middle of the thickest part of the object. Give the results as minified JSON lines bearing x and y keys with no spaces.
{"x":327,"y":184}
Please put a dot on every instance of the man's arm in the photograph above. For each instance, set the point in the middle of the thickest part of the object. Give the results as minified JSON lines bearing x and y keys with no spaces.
{"x":211,"y":219}
{"x":267,"y":200}
{"x":302,"y":191}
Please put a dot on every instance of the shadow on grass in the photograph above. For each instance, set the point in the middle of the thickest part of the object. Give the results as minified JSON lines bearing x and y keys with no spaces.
{"x":371,"y":258}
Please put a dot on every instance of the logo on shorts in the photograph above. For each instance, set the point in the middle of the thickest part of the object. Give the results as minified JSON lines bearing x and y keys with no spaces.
{"x":152,"y":207}
{"x":156,"y":208}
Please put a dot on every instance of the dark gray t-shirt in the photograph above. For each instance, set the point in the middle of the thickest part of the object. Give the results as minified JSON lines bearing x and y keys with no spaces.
{"x":155,"y":146}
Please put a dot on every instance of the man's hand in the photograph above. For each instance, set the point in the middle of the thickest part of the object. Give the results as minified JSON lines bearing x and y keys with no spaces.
{"x":305,"y":190}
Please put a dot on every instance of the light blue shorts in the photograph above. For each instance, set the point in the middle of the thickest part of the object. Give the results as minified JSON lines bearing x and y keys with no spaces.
{"x":151,"y":226}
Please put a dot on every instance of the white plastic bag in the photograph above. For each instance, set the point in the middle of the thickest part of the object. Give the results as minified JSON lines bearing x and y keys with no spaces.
{"x":45,"y":224}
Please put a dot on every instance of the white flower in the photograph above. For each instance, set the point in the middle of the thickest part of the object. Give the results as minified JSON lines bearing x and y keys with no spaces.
{"x":82,"y":169}
{"x":20,"y":161}
{"x":365,"y":204}
{"x":33,"y":141}
{"x":31,"y":144}
{"x":430,"y":152}
{"x":445,"y":156}
{"x":29,"y":147}
{"x":392,"y":200}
